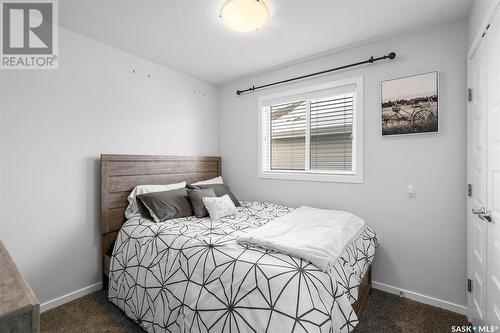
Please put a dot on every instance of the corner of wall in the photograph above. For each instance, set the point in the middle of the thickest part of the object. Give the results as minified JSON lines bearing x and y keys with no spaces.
{"x":218,"y":89}
{"x":481,"y":13}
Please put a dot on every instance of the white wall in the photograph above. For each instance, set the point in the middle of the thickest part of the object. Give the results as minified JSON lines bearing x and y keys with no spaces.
{"x":478,"y":17}
{"x":422,"y":240}
{"x":54,"y":126}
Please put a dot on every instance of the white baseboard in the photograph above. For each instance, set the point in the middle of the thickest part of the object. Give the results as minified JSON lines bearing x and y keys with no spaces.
{"x":376,"y":285}
{"x":421,"y":298}
{"x":69,"y":297}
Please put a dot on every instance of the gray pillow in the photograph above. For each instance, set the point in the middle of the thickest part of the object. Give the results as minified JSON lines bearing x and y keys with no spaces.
{"x":220,"y":190}
{"x":165,"y":205}
{"x":196,"y":197}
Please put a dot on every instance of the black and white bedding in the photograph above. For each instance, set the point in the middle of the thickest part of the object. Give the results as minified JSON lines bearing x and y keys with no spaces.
{"x":190,"y":275}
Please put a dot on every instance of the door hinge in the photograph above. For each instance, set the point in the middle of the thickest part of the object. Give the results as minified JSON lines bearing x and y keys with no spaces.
{"x":469,"y":94}
{"x":469,"y":190}
{"x":469,"y":285}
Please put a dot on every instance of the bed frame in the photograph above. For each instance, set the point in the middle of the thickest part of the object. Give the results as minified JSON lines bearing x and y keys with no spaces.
{"x":121,"y":173}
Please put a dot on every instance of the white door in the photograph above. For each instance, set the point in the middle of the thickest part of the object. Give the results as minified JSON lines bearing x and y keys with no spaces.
{"x":476,"y":227}
{"x":493,"y":175}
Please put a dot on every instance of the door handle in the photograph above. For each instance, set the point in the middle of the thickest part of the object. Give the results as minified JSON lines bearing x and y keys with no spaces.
{"x":479,"y":211}
{"x":482,"y":213}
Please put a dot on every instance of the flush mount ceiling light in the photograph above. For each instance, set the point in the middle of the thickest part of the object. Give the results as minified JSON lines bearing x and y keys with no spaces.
{"x":245,"y":15}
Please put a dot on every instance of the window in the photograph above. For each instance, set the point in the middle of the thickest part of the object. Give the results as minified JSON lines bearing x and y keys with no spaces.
{"x":313,"y":133}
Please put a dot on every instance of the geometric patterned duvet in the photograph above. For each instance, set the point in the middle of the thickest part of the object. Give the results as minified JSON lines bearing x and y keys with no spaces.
{"x":190,"y":275}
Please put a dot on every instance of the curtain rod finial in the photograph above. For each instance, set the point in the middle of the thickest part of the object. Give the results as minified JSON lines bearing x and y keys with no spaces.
{"x":392,"y":55}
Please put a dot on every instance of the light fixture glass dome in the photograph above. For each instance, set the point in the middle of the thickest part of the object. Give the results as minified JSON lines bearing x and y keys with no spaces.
{"x":245,"y":15}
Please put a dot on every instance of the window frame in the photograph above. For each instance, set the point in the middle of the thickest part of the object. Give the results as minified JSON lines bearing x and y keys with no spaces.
{"x":356,"y":176}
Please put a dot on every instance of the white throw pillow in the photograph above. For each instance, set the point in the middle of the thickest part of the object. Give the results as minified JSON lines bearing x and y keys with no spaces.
{"x":219,"y":207}
{"x":216,"y":180}
{"x":132,"y":209}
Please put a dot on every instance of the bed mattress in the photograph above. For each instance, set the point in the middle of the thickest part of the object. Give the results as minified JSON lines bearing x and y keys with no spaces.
{"x":190,"y":275}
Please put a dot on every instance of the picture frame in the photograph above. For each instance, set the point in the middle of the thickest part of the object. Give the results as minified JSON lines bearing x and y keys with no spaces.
{"x":409,"y":105}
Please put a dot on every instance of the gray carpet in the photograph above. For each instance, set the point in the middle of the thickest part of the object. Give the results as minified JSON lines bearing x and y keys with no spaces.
{"x":383,"y":313}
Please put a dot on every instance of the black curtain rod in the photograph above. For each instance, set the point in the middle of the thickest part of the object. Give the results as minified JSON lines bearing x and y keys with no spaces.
{"x":391,"y":56}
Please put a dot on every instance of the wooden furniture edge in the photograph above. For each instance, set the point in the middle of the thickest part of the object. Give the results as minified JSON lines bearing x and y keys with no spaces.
{"x":365,"y":289}
{"x":33,"y":303}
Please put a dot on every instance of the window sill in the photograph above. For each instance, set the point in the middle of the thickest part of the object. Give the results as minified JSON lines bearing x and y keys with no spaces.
{"x":313,"y":177}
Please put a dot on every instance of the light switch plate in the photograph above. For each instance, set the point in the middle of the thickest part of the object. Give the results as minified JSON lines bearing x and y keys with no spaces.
{"x":411,"y":191}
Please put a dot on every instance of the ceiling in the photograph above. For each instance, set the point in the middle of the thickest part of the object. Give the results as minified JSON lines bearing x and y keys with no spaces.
{"x":186,"y":35}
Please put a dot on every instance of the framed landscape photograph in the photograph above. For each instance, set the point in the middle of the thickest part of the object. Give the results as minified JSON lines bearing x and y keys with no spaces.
{"x":410,"y":104}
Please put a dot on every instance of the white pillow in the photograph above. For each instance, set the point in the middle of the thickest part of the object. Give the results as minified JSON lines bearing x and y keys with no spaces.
{"x":219,"y":207}
{"x":216,"y":180}
{"x":132,"y":209}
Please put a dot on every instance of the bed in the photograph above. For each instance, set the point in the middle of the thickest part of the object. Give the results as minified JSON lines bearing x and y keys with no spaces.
{"x":190,"y":275}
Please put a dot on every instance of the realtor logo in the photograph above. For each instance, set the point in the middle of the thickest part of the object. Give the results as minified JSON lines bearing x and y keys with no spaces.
{"x":29,"y":34}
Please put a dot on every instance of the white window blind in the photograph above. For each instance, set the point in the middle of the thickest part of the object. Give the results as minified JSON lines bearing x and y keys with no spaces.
{"x":331,"y":133}
{"x":288,"y":136}
{"x":311,"y":133}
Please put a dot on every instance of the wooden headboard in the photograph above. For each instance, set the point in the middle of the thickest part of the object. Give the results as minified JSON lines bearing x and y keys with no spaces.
{"x":121,"y":173}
